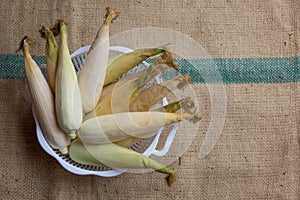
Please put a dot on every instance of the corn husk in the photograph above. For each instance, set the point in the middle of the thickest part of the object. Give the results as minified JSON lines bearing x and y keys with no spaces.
{"x":115,"y":127}
{"x":92,"y":75}
{"x":43,"y":101}
{"x":67,"y":93}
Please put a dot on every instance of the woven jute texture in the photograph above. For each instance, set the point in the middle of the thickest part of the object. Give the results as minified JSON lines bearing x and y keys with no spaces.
{"x":258,"y":153}
{"x":257,"y":156}
{"x":224,"y":28}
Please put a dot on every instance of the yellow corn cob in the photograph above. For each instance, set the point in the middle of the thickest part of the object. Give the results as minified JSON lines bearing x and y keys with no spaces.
{"x":116,"y":127}
{"x":67,"y":93}
{"x":118,"y":157}
{"x":152,"y":95}
{"x":124,"y":62}
{"x":92,"y":75}
{"x":51,"y":55}
{"x":43,"y":101}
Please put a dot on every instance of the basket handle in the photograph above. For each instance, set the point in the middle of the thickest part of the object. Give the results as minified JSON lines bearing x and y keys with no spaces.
{"x":170,"y":137}
{"x":152,"y":149}
{"x":168,"y":141}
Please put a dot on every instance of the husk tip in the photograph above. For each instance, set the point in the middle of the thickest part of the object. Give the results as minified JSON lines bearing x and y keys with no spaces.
{"x":112,"y":13}
{"x":168,"y":59}
{"x":196,"y":118}
{"x":188,"y":105}
{"x":189,"y":108}
{"x":184,"y":80}
{"x":25,"y":40}
{"x":44,"y":30}
{"x":171,"y":178}
{"x":56,"y":27}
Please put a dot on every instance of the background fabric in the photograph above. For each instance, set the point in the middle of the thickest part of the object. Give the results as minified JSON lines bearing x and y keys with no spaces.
{"x":258,"y":154}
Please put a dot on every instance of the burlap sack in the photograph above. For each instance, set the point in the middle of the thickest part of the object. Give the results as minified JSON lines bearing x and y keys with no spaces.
{"x":258,"y":153}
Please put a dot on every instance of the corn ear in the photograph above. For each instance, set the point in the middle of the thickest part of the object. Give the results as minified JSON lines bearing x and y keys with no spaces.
{"x":119,"y":157}
{"x":43,"y":101}
{"x":51,"y":55}
{"x":152,"y":95}
{"x":80,"y":154}
{"x":173,"y":107}
{"x":115,"y":127}
{"x":125,"y":62}
{"x":67,"y":94}
{"x":92,"y":75}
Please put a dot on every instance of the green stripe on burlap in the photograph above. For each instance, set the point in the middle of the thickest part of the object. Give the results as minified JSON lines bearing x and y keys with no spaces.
{"x":215,"y":70}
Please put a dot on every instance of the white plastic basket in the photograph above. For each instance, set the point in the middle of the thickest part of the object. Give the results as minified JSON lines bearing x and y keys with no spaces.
{"x":151,"y":143}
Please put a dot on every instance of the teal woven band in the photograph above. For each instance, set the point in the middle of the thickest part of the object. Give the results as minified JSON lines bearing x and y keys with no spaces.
{"x":229,"y":70}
